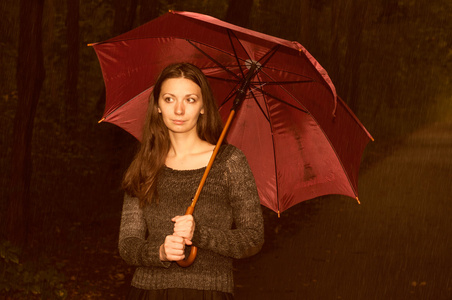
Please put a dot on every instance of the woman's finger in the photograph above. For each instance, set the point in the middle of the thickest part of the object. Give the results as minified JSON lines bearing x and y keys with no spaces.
{"x":173,"y":248}
{"x":184,"y":226}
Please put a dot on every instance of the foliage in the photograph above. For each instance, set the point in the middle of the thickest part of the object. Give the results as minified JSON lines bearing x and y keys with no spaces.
{"x":19,"y":280}
{"x":404,"y":67}
{"x":216,"y":9}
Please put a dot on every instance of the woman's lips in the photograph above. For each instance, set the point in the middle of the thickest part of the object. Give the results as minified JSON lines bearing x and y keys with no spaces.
{"x":178,"y":122}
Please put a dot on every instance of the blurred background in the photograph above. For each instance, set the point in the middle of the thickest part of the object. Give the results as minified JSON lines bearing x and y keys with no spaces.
{"x":60,"y":171}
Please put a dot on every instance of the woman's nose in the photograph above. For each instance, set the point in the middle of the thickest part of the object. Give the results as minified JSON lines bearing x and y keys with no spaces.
{"x":179,"y":108}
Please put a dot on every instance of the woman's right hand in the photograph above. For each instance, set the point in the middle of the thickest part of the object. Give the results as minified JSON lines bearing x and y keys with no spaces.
{"x":172,"y":249}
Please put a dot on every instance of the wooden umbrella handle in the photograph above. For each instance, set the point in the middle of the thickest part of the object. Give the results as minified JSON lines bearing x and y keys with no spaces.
{"x":241,"y":93}
{"x":193,"y":250}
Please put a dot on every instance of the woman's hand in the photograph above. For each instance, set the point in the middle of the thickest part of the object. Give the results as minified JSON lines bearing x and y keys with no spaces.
{"x":184,"y":226}
{"x":172,"y":249}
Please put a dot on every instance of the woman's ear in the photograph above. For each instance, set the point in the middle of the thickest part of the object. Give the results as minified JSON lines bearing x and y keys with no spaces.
{"x":202,"y":111}
{"x":159,"y":110}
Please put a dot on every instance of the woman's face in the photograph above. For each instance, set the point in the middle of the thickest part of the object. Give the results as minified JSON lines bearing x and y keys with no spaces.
{"x":180,"y":104}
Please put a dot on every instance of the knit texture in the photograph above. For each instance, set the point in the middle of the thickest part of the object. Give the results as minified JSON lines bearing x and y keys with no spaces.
{"x":228,"y":219}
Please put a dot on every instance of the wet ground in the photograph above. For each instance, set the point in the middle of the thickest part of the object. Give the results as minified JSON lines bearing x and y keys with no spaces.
{"x":397,"y":244}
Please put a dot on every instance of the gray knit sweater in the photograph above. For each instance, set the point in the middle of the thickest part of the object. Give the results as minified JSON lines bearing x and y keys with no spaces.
{"x":228,"y":218}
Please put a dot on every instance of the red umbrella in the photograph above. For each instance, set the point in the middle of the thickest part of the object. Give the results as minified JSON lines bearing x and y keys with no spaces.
{"x":300,"y":139}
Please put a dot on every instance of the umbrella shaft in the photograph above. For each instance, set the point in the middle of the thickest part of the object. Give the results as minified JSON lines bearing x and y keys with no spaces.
{"x":212,"y":158}
{"x":193,"y":251}
{"x":241,"y":92}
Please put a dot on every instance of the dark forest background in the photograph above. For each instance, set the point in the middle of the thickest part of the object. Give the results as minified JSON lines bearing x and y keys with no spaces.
{"x":60,"y":201}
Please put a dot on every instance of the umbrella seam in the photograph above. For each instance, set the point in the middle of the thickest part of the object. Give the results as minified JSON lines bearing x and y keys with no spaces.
{"x":355,"y":192}
{"x":274,"y":158}
{"x":114,"y":110}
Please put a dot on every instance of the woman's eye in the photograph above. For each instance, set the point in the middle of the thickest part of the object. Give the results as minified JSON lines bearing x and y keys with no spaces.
{"x":168,"y":99}
{"x":191,"y":100}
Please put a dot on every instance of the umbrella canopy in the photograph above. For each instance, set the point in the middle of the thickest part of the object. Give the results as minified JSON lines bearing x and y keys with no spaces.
{"x":300,"y":139}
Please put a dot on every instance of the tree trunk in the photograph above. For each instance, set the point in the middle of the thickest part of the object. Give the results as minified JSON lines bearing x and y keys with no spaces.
{"x":125,"y":12}
{"x":307,"y":27}
{"x":30,"y":77}
{"x":353,"y":55}
{"x":73,"y":40}
{"x":239,"y":12}
{"x":336,"y":29}
{"x":125,"y":15}
{"x":149,"y":10}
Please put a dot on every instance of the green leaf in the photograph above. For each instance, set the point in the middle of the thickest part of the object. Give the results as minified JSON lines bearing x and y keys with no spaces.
{"x":35,"y":289}
{"x":62,"y":293}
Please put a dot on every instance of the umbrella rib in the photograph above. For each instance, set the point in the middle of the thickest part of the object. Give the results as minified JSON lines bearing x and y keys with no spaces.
{"x":286,"y":82}
{"x":267,"y":57}
{"x":263,"y":64}
{"x":231,"y":93}
{"x":235,"y":52}
{"x":238,"y":40}
{"x":282,"y":101}
{"x":274,"y":154}
{"x":265,"y":115}
{"x":270,"y":54}
{"x":285,"y":90}
{"x":259,"y":83}
{"x":212,"y":59}
{"x":223,"y":79}
{"x":222,"y":67}
{"x":274,"y":157}
{"x":215,"y":48}
{"x":261,"y":90}
{"x":260,"y":107}
{"x":238,"y":59}
{"x":229,"y":97}
{"x":331,"y":145}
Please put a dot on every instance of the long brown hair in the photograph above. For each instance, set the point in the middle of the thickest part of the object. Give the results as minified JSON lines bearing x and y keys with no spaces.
{"x":140,"y":179}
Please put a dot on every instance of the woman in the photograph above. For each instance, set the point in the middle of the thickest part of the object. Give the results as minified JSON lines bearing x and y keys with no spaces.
{"x":181,"y":130}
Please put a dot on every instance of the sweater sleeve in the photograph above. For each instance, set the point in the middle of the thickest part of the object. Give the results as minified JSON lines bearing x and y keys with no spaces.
{"x":247,"y":238}
{"x":133,"y":246}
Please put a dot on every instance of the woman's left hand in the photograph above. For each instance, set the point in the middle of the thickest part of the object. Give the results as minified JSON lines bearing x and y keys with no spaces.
{"x":184,"y":226}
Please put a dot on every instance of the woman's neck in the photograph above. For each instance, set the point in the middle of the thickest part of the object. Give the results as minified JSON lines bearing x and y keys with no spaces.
{"x":184,"y":144}
{"x":188,"y":152}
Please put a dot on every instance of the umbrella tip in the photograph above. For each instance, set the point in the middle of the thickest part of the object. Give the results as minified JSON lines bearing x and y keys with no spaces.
{"x":279,"y":214}
{"x":358,"y":200}
{"x":101,"y":120}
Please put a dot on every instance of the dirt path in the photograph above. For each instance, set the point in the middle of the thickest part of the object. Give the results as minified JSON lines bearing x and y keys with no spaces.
{"x":396,"y":245}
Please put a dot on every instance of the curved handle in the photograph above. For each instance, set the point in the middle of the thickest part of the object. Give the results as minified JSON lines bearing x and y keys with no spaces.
{"x":193,"y":249}
{"x":190,"y":259}
{"x":241,"y":93}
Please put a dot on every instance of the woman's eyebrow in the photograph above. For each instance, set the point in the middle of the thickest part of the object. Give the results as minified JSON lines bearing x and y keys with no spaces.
{"x":186,"y":95}
{"x":192,"y":94}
